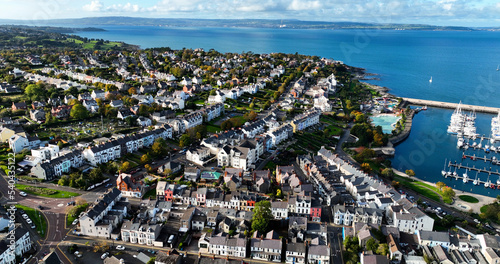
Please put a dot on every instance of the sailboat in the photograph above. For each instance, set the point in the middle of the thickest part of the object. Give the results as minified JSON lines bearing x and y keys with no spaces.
{"x":487,"y":183}
{"x":466,"y":178}
{"x":430,"y":80}
{"x":498,"y":68}
{"x":443,"y":172}
{"x":475,"y":180}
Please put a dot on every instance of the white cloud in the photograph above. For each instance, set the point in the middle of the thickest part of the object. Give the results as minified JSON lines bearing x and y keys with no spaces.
{"x":94,"y":6}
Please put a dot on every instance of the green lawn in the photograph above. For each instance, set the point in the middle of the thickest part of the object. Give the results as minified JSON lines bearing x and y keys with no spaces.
{"x":434,"y":188}
{"x":54,"y":194}
{"x":37,"y":218}
{"x":419,"y":187}
{"x":468,"y":198}
{"x":213,"y":129}
{"x":150,"y":194}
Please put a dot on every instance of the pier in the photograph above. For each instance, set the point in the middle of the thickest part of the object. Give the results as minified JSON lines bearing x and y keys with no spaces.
{"x":485,"y":159}
{"x":484,"y":170}
{"x":421,"y":102}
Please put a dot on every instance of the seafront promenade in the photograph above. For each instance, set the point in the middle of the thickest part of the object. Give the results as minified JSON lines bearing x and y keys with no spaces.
{"x":483,"y":109}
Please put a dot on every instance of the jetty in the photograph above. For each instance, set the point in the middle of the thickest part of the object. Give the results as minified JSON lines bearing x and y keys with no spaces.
{"x":438,"y":104}
{"x":484,"y":170}
{"x":485,"y":159}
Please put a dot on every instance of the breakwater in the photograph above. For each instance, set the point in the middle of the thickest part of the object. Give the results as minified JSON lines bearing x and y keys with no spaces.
{"x":466,"y":107}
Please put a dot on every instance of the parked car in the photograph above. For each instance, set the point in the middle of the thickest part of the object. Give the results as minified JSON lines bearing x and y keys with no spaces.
{"x":23,"y":194}
{"x":29,"y":221}
{"x":75,"y":222}
{"x":105,"y":255}
{"x":120,"y":247}
{"x":25,"y":216}
{"x":33,"y":226}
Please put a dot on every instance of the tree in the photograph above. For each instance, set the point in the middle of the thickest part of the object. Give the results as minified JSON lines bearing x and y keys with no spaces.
{"x":262,"y":215}
{"x":448,"y":192}
{"x":440,"y":185}
{"x":410,"y":173}
{"x":148,"y":168}
{"x":79,"y":112}
{"x":371,"y":244}
{"x":132,"y":91}
{"x":145,"y":158}
{"x":101,"y":247}
{"x":366,"y":167}
{"x":184,"y":140}
{"x":125,"y":166}
{"x":387,"y":172}
{"x":151,"y":260}
{"x":383,"y":249}
{"x":159,"y":148}
{"x":395,"y":184}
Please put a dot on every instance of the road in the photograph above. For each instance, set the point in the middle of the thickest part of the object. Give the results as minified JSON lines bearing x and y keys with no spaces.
{"x":55,"y":214}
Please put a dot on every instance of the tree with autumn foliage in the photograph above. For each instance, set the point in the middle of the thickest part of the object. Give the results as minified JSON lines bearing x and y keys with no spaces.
{"x":366,"y":167}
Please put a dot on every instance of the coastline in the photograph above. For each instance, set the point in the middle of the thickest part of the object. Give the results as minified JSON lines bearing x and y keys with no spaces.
{"x":458,"y":203}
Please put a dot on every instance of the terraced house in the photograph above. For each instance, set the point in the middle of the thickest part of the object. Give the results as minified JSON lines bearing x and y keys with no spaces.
{"x":105,"y":215}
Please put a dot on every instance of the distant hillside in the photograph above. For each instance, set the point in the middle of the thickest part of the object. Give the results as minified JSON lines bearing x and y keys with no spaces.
{"x":263,"y":23}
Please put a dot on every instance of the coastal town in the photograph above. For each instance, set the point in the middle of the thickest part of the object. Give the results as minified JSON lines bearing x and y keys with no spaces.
{"x":128,"y":155}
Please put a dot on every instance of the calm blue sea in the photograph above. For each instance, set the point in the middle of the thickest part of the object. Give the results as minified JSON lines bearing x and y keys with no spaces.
{"x":462,"y":65}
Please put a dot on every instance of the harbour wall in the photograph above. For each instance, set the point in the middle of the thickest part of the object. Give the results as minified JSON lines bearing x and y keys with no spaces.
{"x":421,"y":102}
{"x":405,"y":133}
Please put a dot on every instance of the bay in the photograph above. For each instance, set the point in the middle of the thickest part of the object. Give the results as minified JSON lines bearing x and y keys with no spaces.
{"x":462,"y":65}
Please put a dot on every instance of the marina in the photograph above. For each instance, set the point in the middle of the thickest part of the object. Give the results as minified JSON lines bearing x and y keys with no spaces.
{"x":465,"y":178}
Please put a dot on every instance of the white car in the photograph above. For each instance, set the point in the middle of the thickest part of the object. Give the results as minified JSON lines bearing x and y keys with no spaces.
{"x":29,"y":221}
{"x":120,"y":247}
{"x":75,"y":222}
{"x":25,"y":216}
{"x":23,"y":194}
{"x":105,"y":255}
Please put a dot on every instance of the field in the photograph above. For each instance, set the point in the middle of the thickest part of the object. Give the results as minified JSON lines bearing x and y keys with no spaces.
{"x":45,"y":192}
{"x":37,"y":218}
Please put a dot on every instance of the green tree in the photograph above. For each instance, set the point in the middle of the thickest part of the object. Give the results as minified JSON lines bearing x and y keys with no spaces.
{"x":440,"y":185}
{"x":388,"y":173}
{"x":262,"y":215}
{"x":79,"y":112}
{"x":184,"y":140}
{"x":448,"y":192}
{"x":383,"y":249}
{"x":159,"y":148}
{"x":372,"y":244}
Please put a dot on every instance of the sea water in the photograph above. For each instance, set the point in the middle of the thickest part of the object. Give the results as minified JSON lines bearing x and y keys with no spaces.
{"x":462,"y":65}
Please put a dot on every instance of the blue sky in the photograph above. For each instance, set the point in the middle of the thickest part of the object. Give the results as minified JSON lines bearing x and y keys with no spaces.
{"x":435,"y":12}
